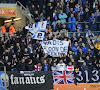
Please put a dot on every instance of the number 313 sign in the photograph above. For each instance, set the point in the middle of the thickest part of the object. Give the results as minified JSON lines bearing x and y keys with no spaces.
{"x":87,"y":76}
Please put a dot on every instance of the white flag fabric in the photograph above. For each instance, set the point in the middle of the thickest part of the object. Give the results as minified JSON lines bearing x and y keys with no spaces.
{"x":55,"y":47}
{"x":39,"y":35}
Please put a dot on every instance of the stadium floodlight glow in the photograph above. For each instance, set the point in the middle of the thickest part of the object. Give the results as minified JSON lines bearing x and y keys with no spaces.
{"x":16,"y":19}
{"x":7,"y":21}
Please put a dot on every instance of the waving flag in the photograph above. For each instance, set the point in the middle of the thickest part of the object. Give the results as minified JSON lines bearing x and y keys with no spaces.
{"x":63,"y":77}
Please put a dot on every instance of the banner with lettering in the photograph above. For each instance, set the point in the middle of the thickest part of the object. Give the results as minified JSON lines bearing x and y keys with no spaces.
{"x":55,"y":47}
{"x":8,"y":11}
{"x":26,"y":80}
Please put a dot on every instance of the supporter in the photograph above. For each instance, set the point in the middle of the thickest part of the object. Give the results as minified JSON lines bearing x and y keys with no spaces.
{"x":89,"y":33}
{"x":74,"y":38}
{"x":38,"y":67}
{"x":58,"y":26}
{"x":84,"y":48}
{"x":79,"y":18}
{"x":71,"y":4}
{"x":53,"y":67}
{"x":77,"y":8}
{"x":70,"y":67}
{"x":58,"y":8}
{"x":80,"y":42}
{"x":41,"y":17}
{"x":45,"y":66}
{"x":81,"y":11}
{"x":84,"y":67}
{"x":67,"y":9}
{"x":75,"y":48}
{"x":21,"y":65}
{"x":96,"y":14}
{"x":76,"y":27}
{"x":29,"y":66}
{"x":61,"y":66}
{"x":87,"y":60}
{"x":86,"y":15}
{"x":93,"y":20}
{"x":71,"y":12}
{"x":71,"y":21}
{"x":62,"y":16}
{"x":86,"y":28}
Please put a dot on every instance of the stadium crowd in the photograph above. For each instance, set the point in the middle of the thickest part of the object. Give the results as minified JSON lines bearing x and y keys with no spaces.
{"x":20,"y":52}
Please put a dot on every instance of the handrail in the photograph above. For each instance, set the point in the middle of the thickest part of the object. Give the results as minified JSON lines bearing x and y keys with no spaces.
{"x":22,"y":6}
{"x":28,"y":12}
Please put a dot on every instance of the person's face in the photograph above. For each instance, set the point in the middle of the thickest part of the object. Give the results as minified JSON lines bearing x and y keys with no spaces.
{"x":30,"y":61}
{"x":6,"y":57}
{"x":14,"y":56}
{"x":57,"y":4}
{"x":70,"y":63}
{"x":30,"y":45}
{"x":59,"y":22}
{"x":83,"y":44}
{"x":61,"y":12}
{"x":61,"y":61}
{"x":78,"y":14}
{"x":54,"y":64}
{"x":26,"y":50}
{"x":71,"y":9}
{"x":36,"y":12}
{"x":87,"y":57}
{"x":80,"y":39}
{"x":92,"y":14}
{"x":80,"y":50}
{"x":23,"y":60}
{"x":19,"y":29}
{"x":84,"y":64}
{"x":81,"y":8}
{"x":86,"y":26}
{"x":74,"y":34}
{"x":45,"y":62}
{"x":39,"y":64}
{"x":86,"y":9}
{"x":76,"y":44}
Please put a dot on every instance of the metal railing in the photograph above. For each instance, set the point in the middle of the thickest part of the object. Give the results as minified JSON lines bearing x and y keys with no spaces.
{"x":26,"y":12}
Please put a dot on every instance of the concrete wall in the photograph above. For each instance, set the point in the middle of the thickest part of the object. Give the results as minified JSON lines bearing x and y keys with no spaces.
{"x":21,"y":23}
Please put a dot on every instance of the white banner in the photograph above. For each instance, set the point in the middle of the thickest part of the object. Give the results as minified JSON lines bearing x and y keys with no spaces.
{"x":55,"y":47}
{"x":39,"y":36}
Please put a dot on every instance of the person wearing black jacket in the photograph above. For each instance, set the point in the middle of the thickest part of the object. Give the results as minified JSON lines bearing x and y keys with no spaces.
{"x":21,"y":65}
{"x":29,"y":66}
{"x":45,"y":66}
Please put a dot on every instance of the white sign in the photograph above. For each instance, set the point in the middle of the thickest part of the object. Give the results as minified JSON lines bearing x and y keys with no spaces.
{"x":55,"y":47}
{"x":39,"y":36}
{"x":41,"y":25}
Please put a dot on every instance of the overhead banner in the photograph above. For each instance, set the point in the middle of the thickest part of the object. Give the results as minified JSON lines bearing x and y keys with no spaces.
{"x":55,"y":47}
{"x":39,"y":36}
{"x":8,"y":11}
{"x":27,"y":81}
